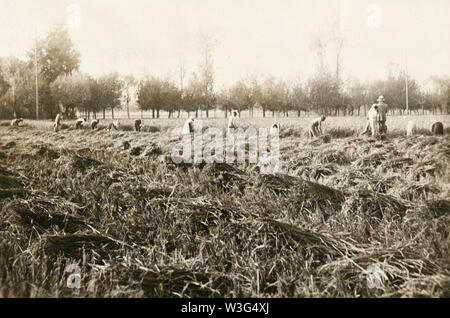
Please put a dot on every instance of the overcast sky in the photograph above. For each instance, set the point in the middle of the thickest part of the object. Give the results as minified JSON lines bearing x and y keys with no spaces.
{"x":253,"y":36}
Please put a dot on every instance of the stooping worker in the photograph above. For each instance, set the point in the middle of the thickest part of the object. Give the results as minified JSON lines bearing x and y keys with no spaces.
{"x":16,"y":121}
{"x":79,"y":123}
{"x":437,"y":128}
{"x":94,"y":124}
{"x":114,"y":125}
{"x":315,"y":128}
{"x":373,"y":119}
{"x":275,"y":128}
{"x":188,"y":127}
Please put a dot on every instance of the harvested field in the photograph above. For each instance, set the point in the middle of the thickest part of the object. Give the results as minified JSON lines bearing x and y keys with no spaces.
{"x":139,"y":225}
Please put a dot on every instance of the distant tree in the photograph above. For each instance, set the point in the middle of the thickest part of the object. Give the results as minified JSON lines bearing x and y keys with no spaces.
{"x":5,"y":78}
{"x":95,"y":103}
{"x":206,"y":70}
{"x":56,"y":54}
{"x":255,"y":92}
{"x":239,"y":97}
{"x":129,"y":86}
{"x":436,"y":95}
{"x":224,"y":101}
{"x":16,"y":88}
{"x":441,"y":93}
{"x":356,"y":95}
{"x":193,"y":95}
{"x":72,"y":92}
{"x":285,"y":102}
{"x":323,"y":92}
{"x":111,"y":86}
{"x":181,"y":76}
{"x":150,"y":95}
{"x":298,"y":98}
{"x":273,"y":95}
{"x":171,"y":97}
{"x":394,"y":91}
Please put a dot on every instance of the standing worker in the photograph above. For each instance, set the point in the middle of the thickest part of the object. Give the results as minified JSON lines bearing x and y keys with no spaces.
{"x":137,"y":124}
{"x":232,"y":121}
{"x":382,"y":110}
{"x":57,"y":124}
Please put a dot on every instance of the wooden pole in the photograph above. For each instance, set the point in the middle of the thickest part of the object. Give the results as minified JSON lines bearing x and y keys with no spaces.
{"x":406,"y":84}
{"x":36,"y":76}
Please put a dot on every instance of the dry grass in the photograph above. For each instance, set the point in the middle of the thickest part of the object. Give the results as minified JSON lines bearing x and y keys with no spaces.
{"x":139,"y":225}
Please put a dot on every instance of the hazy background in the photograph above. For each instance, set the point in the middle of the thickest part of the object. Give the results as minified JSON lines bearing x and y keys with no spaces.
{"x":253,"y":36}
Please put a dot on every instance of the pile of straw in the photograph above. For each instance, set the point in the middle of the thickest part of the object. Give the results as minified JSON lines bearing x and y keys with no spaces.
{"x":397,"y":266}
{"x":32,"y":215}
{"x":77,"y":246}
{"x":11,"y":184}
{"x":76,"y":162}
{"x":47,"y":152}
{"x":438,"y":208}
{"x":309,"y":195}
{"x":371,"y":204}
{"x":224,"y":175}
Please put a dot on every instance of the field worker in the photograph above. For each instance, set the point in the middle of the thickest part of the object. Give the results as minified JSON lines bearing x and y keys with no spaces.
{"x":79,"y":123}
{"x":373,"y":118}
{"x":382,"y":109}
{"x":16,"y":121}
{"x":232,"y":121}
{"x":115,"y":124}
{"x":410,"y":128}
{"x":316,"y":127}
{"x":437,"y":128}
{"x":57,"y":124}
{"x":94,"y":123}
{"x":275,"y":128}
{"x":188,"y":127}
{"x":137,"y":124}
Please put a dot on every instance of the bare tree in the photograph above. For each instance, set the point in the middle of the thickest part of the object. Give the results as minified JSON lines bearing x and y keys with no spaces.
{"x":130,"y":82}
{"x":181,"y":76}
{"x":207,"y":43}
{"x":318,"y":46}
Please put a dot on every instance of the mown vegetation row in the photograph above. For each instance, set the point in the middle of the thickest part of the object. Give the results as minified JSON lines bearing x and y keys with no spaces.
{"x":140,"y":226}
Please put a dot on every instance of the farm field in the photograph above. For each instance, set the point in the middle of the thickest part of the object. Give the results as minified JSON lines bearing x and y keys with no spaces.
{"x":138,"y":225}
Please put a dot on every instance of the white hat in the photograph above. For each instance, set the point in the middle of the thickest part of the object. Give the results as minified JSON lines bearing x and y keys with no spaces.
{"x":380,"y":98}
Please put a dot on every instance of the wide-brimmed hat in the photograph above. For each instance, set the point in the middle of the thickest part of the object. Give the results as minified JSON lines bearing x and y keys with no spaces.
{"x":381,"y":98}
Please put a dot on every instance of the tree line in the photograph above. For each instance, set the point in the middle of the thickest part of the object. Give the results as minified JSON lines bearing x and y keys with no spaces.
{"x":62,"y":88}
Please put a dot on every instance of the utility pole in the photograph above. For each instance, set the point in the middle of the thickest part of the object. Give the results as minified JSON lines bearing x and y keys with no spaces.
{"x":406,"y":84}
{"x":12,"y":66}
{"x":36,"y":75}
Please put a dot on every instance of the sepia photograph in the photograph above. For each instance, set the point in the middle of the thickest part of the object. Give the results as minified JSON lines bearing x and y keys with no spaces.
{"x":242,"y":150}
